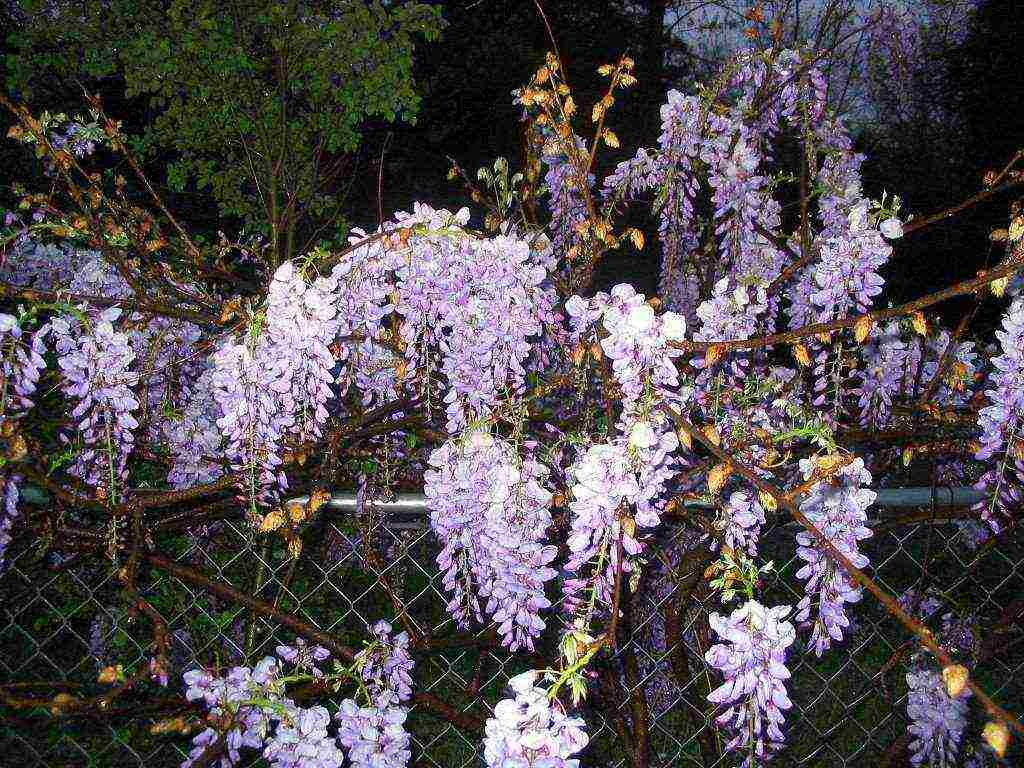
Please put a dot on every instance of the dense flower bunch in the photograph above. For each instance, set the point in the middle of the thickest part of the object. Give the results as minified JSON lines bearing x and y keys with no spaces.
{"x":252,"y":711}
{"x":838,"y":508}
{"x":193,"y":436}
{"x":532,"y":729}
{"x":616,"y":497}
{"x":1002,"y":420}
{"x":375,"y":735}
{"x":96,"y":362}
{"x":490,"y":510}
{"x":301,"y":740}
{"x":752,"y":657}
{"x":301,"y":324}
{"x":937,"y":719}
{"x":251,"y":387}
{"x":230,"y":696}
{"x":565,"y":202}
{"x":480,"y":301}
{"x":740,"y":521}
{"x":43,"y":266}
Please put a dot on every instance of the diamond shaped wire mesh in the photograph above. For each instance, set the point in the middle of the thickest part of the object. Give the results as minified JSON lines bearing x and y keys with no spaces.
{"x":63,"y":621}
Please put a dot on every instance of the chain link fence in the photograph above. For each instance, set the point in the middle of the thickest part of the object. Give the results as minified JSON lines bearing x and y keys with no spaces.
{"x":65,"y":619}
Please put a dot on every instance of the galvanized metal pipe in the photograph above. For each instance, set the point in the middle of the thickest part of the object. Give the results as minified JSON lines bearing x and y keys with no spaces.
{"x":894,"y":498}
{"x":406,"y":510}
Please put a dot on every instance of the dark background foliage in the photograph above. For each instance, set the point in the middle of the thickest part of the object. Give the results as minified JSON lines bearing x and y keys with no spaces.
{"x":464,"y":111}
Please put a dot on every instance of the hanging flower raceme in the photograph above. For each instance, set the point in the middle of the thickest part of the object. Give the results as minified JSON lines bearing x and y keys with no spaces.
{"x":375,"y":734}
{"x":837,"y":506}
{"x":21,"y":364}
{"x":252,"y":711}
{"x":252,"y":388}
{"x":301,"y":325}
{"x":97,"y":363}
{"x":740,"y":521}
{"x":616,"y":497}
{"x":491,"y":513}
{"x":193,"y":437}
{"x":752,"y":657}
{"x":1002,"y":420}
{"x":937,"y":720}
{"x":532,"y":730}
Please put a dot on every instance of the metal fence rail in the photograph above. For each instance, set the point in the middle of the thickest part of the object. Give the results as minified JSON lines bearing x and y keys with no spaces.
{"x":63,"y":621}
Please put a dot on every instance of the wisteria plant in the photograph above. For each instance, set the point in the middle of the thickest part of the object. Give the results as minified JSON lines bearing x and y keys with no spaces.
{"x":555,"y":430}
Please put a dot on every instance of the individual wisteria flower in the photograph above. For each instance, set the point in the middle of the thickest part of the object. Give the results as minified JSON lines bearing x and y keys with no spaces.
{"x":491,"y":513}
{"x":891,"y":228}
{"x":532,"y":730}
{"x":752,"y":658}
{"x":97,"y":363}
{"x":838,"y":508}
{"x":303,"y":656}
{"x":937,"y":720}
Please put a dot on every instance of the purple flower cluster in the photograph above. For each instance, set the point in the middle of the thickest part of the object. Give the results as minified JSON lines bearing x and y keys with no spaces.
{"x":1002,"y":420}
{"x":254,"y":713}
{"x":193,"y":437}
{"x":740,"y":522}
{"x":937,"y":720}
{"x":300,"y":740}
{"x":478,"y":302}
{"x":21,"y":364}
{"x":97,"y":364}
{"x":43,"y":266}
{"x":8,"y":513}
{"x":532,"y":730}
{"x":615,"y":491}
{"x":250,"y":384}
{"x":638,"y":342}
{"x":375,"y":735}
{"x":565,"y":202}
{"x":230,"y":696}
{"x":301,"y":324}
{"x":303,"y":656}
{"x":752,"y":658}
{"x":387,"y":665}
{"x":491,"y":513}
{"x":732,"y":312}
{"x":838,"y":508}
